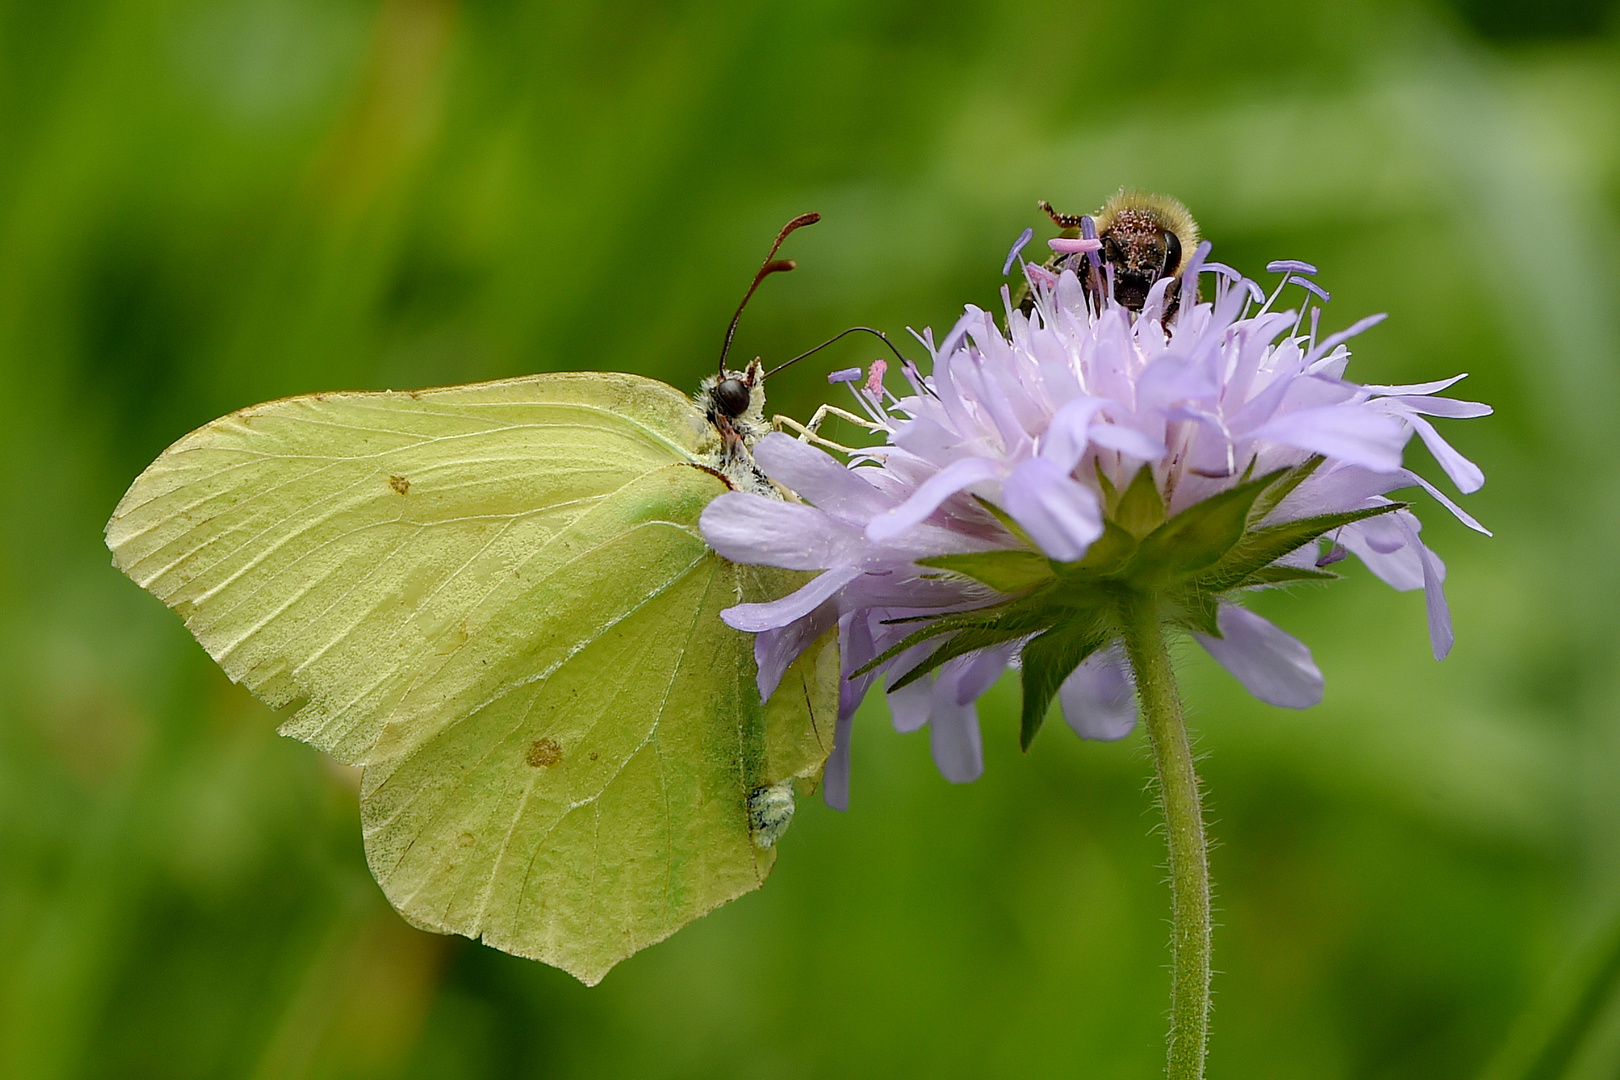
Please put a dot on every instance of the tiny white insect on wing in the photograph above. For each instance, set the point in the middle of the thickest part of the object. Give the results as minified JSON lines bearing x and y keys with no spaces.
{"x":770,"y":812}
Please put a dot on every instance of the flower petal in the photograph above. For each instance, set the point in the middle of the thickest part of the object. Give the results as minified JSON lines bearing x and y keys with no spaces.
{"x":1440,"y":497}
{"x":753,"y":618}
{"x":953,"y":736}
{"x":856,"y":648}
{"x":1059,"y":513}
{"x":1449,"y":408}
{"x":1171,"y":379}
{"x":818,"y":478}
{"x":1383,"y":534}
{"x":835,"y":775}
{"x":1127,"y":441}
{"x":1360,"y":326}
{"x":1468,"y":477}
{"x":929,"y":441}
{"x":1351,"y":433}
{"x":775,"y":650}
{"x":980,"y":670}
{"x":911,"y":705}
{"x":1271,"y":665}
{"x":927,"y":498}
{"x":1414,"y":388}
{"x":1441,"y":637}
{"x":754,"y":530}
{"x":1099,"y":697}
{"x":1067,"y":436}
{"x":1398,"y":567}
{"x":1332,"y":488}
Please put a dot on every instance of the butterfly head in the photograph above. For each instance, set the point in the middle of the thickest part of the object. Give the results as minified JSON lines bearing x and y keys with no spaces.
{"x":734,"y":402}
{"x":730,"y":396}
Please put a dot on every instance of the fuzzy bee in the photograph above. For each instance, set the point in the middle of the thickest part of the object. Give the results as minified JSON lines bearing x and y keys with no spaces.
{"x":1145,"y":238}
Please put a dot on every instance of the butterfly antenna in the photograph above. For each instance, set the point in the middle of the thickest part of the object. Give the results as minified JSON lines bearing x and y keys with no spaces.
{"x":772,"y":266}
{"x":880,"y":335}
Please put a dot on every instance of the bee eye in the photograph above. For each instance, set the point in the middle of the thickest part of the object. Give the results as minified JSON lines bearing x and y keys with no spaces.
{"x":731,"y":397}
{"x":1172,"y":253}
{"x":1112,"y":251}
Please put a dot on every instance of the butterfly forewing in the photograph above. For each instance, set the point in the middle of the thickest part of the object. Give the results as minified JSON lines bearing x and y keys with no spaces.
{"x":327,"y":547}
{"x":496,"y":599}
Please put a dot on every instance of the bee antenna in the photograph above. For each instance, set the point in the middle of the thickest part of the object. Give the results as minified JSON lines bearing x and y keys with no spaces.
{"x":880,"y":335}
{"x":772,"y":266}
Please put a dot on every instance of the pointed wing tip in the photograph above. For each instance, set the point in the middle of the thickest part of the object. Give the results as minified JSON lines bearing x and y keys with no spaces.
{"x":586,"y":957}
{"x":589,"y":971}
{"x":588,"y":976}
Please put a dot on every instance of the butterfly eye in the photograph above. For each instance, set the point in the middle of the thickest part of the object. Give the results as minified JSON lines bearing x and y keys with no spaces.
{"x":1172,"y":253}
{"x":731,"y":397}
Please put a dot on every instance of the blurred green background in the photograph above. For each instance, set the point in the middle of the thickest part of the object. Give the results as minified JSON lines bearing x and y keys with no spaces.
{"x":208,"y":203}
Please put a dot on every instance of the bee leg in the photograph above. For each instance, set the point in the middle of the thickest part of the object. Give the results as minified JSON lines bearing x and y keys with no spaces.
{"x":1062,"y":221}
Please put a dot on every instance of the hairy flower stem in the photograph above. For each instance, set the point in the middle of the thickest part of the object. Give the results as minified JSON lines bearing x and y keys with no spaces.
{"x":1160,"y":704}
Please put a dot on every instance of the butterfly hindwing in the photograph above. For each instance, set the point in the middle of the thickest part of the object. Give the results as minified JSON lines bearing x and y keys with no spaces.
{"x":495,"y":598}
{"x":588,"y":794}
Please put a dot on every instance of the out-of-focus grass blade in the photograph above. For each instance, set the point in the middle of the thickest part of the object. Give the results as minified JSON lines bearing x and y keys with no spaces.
{"x":1550,"y":1036}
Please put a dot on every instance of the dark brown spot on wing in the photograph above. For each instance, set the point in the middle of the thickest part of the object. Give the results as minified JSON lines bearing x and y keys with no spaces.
{"x":544,"y":753}
{"x":399,"y":484}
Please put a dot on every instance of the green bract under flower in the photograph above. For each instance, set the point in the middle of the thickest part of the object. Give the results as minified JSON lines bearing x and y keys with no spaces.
{"x":1063,"y":612}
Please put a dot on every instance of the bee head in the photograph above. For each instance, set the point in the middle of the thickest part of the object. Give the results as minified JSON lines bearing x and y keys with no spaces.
{"x":1145,"y":239}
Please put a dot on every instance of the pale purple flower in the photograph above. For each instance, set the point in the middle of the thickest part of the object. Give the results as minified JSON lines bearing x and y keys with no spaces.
{"x":1026,"y":425}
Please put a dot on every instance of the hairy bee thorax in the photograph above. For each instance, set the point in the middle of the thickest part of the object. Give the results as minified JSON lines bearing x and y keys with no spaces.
{"x":1145,"y":239}
{"x":733,"y":404}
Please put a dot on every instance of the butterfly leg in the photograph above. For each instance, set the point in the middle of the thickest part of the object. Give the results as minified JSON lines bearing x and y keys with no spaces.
{"x":807,"y":433}
{"x":810,"y":432}
{"x":832,"y":410}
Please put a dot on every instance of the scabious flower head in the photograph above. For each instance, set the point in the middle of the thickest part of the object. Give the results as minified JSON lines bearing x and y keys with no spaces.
{"x":1040,"y":472}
